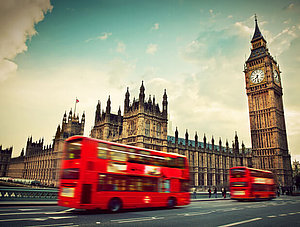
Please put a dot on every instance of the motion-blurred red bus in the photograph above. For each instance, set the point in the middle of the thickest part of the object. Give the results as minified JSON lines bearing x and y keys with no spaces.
{"x":251,"y":184}
{"x":97,"y":174}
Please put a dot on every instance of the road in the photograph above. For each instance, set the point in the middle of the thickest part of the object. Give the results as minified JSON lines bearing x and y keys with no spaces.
{"x":282,"y":211}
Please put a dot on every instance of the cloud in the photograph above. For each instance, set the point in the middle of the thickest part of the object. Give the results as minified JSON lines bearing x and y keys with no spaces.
{"x":121,"y":47}
{"x":291,"y":6}
{"x":104,"y":36}
{"x":17,"y":25}
{"x":151,"y":49}
{"x":155,"y":26}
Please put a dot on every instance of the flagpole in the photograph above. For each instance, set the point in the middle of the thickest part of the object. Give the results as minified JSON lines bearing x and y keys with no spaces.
{"x":75,"y":106}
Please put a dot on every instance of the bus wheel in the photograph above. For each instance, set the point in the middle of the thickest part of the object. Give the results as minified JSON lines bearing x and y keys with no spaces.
{"x":115,"y":205}
{"x":171,"y":202}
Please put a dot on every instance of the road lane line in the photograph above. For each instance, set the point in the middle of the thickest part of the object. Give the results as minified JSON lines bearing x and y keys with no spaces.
{"x":272,"y":216}
{"x":24,"y":219}
{"x":292,"y":213}
{"x":137,"y":219}
{"x":282,"y":215}
{"x":61,"y":212}
{"x":62,"y":217}
{"x":62,"y":224}
{"x":240,"y":222}
{"x":28,"y":209}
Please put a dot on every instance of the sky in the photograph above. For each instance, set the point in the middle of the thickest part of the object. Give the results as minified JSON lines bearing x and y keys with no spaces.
{"x":52,"y":52}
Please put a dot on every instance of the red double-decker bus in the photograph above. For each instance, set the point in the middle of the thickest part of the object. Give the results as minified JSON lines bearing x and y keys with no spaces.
{"x":105,"y":175}
{"x":251,"y":184}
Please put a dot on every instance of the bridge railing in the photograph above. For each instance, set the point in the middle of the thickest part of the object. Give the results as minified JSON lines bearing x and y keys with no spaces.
{"x":36,"y":194}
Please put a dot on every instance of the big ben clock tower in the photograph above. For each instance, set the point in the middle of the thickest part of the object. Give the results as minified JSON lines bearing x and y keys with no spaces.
{"x":267,"y":124}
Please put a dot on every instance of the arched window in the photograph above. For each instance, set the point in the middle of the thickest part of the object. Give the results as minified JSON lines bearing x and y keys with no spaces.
{"x":147,"y":128}
{"x":158,"y":130}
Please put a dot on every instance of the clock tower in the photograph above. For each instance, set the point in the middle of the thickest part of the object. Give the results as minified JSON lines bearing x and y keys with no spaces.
{"x":267,"y":124}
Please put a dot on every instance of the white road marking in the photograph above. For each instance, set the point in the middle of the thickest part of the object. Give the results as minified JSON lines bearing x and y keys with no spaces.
{"x":62,"y":224}
{"x":281,"y":215}
{"x":240,"y":222}
{"x":98,"y":222}
{"x":28,"y":209}
{"x":137,"y":219}
{"x":272,"y":216}
{"x":291,"y":213}
{"x":61,"y":212}
{"x":196,"y":213}
{"x":62,"y":217}
{"x":22,"y":213}
{"x":24,"y":219}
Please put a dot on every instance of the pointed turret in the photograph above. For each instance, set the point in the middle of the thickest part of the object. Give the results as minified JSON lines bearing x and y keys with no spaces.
{"x":196,"y":140}
{"x":236,"y":143}
{"x":70,"y":115}
{"x":204,"y":140}
{"x":65,"y":117}
{"x":165,"y":104}
{"x":213,"y":143}
{"x":176,"y":137}
{"x":220,"y":144}
{"x":108,"y":108}
{"x":142,"y":94}
{"x":257,"y":34}
{"x":83,"y":118}
{"x":126,"y":102}
{"x":98,"y":112}
{"x":186,"y":138}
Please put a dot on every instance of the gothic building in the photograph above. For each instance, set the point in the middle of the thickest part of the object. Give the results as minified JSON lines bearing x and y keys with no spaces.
{"x":41,"y":162}
{"x":145,"y":125}
{"x":5,"y":156}
{"x":267,"y":123}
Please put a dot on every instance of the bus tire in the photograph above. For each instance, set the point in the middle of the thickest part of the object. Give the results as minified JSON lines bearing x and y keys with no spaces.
{"x":171,"y":202}
{"x":115,"y":205}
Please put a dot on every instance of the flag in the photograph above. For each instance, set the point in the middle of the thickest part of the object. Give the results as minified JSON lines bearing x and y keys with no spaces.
{"x":77,"y":100}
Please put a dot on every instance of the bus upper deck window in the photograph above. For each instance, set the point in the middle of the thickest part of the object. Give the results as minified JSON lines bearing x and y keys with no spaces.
{"x":102,"y":151}
{"x":73,"y":149}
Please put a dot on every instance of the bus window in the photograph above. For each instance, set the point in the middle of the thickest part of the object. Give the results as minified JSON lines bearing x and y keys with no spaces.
{"x":102,"y":151}
{"x":73,"y":149}
{"x":72,"y":173}
{"x":237,"y":173}
{"x":144,"y":159}
{"x":115,"y":155}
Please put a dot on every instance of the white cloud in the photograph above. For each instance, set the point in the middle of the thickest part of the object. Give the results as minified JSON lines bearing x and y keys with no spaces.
{"x":151,"y":49}
{"x":104,"y":36}
{"x":17,"y":21}
{"x":121,"y":47}
{"x":155,"y":26}
{"x":291,"y":6}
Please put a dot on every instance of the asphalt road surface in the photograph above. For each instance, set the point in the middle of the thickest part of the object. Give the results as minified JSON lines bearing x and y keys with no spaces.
{"x":282,"y":211}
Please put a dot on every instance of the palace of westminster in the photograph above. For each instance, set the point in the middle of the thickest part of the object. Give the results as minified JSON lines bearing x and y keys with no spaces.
{"x":144,"y":124}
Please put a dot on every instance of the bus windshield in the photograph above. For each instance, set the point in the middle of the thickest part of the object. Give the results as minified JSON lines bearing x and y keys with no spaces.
{"x":238,"y":173}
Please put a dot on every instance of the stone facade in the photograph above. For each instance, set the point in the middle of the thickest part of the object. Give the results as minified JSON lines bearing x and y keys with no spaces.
{"x":41,"y":162}
{"x":145,"y":125}
{"x":16,"y":167}
{"x":267,"y":123}
{"x":5,"y":156}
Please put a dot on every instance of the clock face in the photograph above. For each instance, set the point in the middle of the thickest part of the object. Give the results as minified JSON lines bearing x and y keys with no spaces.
{"x":276,"y":76}
{"x":257,"y":76}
